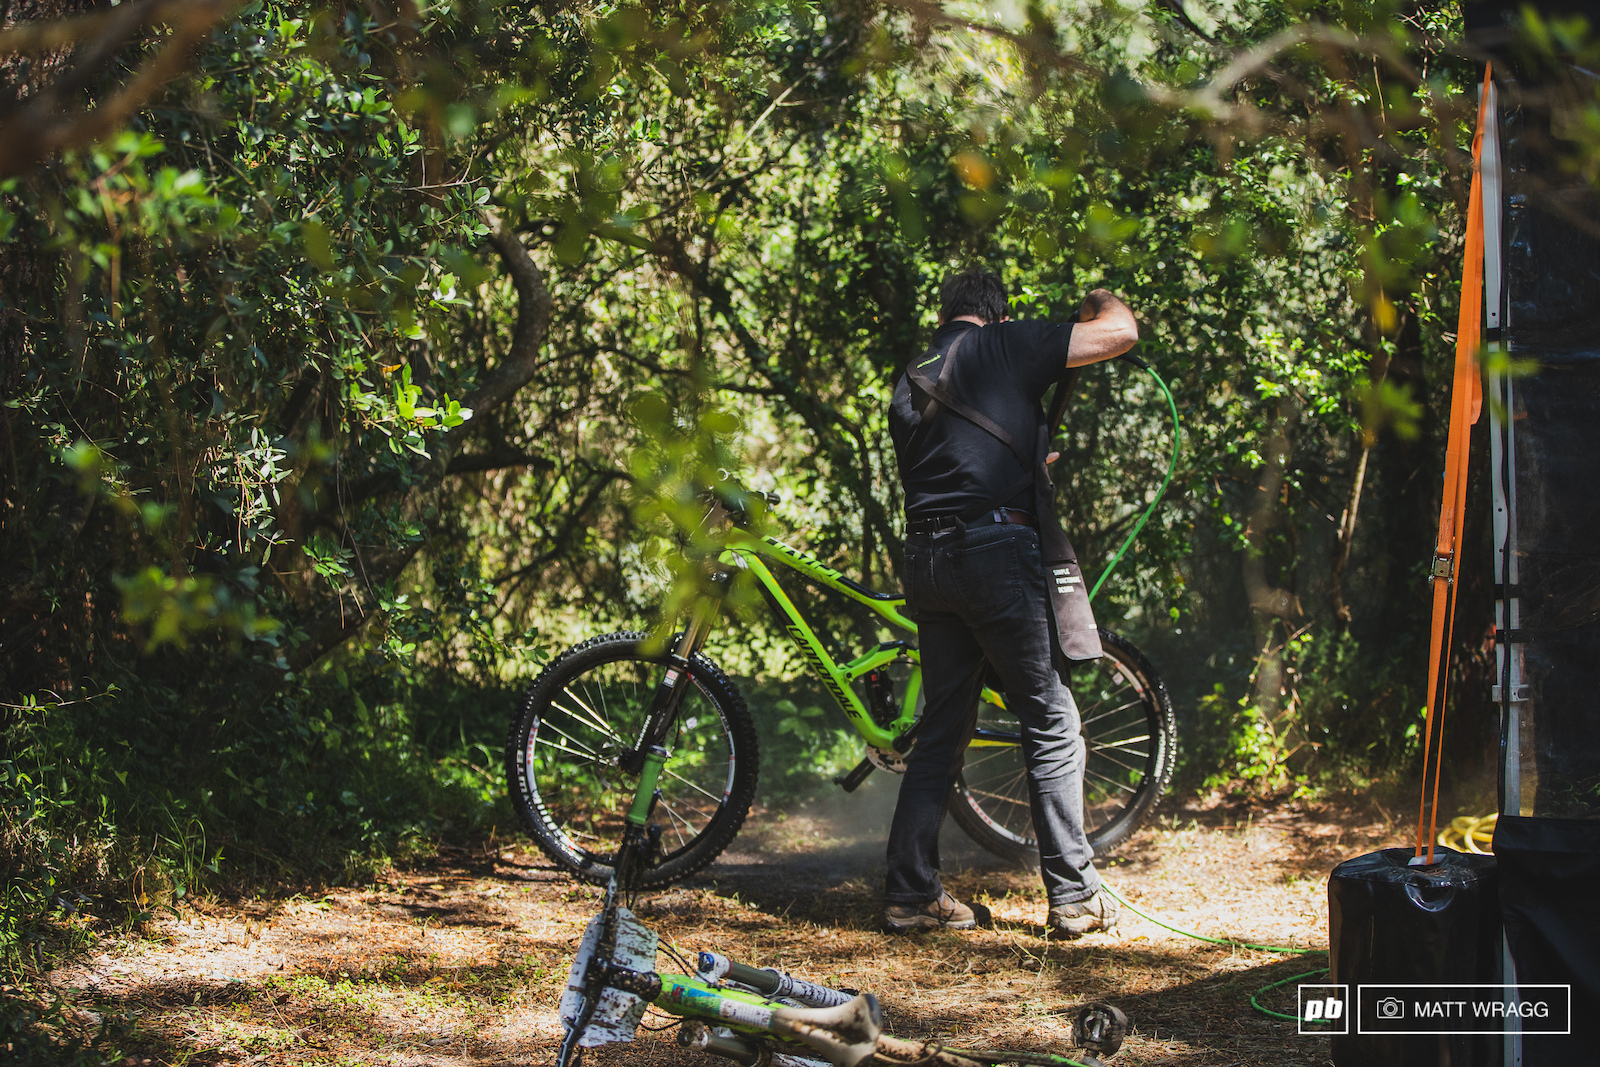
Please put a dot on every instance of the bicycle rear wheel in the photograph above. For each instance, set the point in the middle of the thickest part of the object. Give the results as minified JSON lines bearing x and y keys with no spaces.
{"x":1129,"y":732}
{"x":584,"y":713}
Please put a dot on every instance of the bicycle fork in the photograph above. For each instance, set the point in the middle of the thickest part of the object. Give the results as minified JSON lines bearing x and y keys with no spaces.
{"x":640,"y":848}
{"x":674,"y":684}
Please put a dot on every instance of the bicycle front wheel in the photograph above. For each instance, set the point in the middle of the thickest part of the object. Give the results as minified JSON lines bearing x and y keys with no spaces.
{"x":1130,"y":735}
{"x":584,"y":715}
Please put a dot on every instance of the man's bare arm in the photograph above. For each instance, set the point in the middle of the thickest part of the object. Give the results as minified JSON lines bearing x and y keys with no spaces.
{"x":1105,"y":329}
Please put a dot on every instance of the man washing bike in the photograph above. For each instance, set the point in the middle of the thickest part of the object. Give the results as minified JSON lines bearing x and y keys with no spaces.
{"x":992,"y":583}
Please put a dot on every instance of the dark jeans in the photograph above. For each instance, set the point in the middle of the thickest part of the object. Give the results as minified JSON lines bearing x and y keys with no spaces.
{"x":980,"y":597}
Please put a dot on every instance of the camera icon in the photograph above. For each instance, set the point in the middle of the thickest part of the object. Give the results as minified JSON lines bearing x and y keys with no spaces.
{"x":1390,"y":1008}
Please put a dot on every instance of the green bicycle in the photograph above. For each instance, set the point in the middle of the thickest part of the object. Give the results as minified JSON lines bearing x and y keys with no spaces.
{"x":577,"y":748}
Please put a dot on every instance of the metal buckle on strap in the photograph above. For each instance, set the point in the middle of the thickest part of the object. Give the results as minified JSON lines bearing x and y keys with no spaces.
{"x":931,"y":525}
{"x":1014,"y":517}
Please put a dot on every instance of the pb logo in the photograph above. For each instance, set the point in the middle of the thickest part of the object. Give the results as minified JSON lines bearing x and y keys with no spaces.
{"x":1329,"y":1008}
{"x":1323,"y":1009}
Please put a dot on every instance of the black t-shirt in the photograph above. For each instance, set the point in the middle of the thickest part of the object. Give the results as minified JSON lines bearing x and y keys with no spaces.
{"x":1003,"y":370}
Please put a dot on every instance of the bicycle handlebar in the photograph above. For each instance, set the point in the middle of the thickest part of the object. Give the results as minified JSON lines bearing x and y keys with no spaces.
{"x":738,"y":491}
{"x":733,"y":498}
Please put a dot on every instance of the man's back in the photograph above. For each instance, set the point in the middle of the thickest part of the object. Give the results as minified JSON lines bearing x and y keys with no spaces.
{"x":948,"y":464}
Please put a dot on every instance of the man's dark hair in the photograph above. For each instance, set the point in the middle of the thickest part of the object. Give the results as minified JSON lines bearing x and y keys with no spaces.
{"x":974,"y":291}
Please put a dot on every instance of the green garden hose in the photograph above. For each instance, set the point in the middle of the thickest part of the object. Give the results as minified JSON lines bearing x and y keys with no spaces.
{"x":1214,"y":940}
{"x":1172,"y":465}
{"x":1254,"y":1003}
{"x":1258,"y":1006}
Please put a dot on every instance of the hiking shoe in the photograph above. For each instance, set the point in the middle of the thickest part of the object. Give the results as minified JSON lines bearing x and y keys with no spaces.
{"x":946,"y":913}
{"x":1099,"y":912}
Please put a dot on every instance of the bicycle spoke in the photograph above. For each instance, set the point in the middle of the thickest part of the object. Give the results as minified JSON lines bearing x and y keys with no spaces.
{"x":1022,"y":814}
{"x":1124,"y":720}
{"x":1107,"y":689}
{"x":1135,"y":702}
{"x":600,"y":718}
{"x":1016,"y":787}
{"x":989,"y":754}
{"x":999,"y":791}
{"x":1136,"y":753}
{"x":1006,"y":803}
{"x":588,"y":716}
{"x":994,"y":796}
{"x":580,"y":749}
{"x":605,"y":711}
{"x":1119,"y":742}
{"x":676,"y":819}
{"x":1015,"y":775}
{"x":1111,"y":781}
{"x":675,"y":776}
{"x":1119,"y":763}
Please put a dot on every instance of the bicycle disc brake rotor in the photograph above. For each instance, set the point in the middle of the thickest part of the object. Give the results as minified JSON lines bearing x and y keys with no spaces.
{"x":887,"y":759}
{"x":617,"y":1014}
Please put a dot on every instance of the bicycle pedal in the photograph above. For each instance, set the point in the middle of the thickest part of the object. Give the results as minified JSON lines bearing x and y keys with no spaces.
{"x":1100,"y":1028}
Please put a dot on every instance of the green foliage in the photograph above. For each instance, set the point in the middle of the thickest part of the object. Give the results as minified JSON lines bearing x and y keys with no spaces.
{"x":52,"y":1034}
{"x":1341,"y":714}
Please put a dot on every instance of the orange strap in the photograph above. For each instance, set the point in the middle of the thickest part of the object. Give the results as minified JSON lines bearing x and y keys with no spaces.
{"x":1466,"y":403}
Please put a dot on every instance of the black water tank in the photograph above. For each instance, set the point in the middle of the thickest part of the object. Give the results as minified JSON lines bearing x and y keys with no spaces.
{"x":1391,"y":923}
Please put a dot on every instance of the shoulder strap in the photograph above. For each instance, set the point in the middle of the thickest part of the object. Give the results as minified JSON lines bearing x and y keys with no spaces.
{"x":937,"y":390}
{"x":1059,"y":401}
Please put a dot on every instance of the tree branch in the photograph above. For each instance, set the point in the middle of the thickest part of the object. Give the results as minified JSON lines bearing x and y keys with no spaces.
{"x":336,"y":622}
{"x":534,"y":308}
{"x":1175,"y":8}
{"x":533,"y":323}
{"x":563,"y":537}
{"x":37,"y":131}
{"x":499,"y":459}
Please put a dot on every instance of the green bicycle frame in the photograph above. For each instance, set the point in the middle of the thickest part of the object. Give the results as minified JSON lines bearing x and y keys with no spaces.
{"x":692,"y":998}
{"x":751,"y":554}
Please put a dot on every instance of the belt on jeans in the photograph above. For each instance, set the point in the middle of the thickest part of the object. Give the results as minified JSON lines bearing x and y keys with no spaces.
{"x":1010,"y":516}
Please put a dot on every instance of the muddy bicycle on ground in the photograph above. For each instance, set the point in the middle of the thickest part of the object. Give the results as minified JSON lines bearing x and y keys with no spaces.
{"x":755,"y":1017}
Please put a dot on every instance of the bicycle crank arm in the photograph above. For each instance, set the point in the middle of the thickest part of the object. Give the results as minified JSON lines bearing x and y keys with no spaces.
{"x":852,"y":781}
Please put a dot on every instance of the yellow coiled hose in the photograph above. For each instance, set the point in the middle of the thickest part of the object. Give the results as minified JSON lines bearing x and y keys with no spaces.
{"x":1468,"y":832}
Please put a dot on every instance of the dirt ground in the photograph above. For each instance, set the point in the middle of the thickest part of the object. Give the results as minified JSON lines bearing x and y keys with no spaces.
{"x":461,"y":963}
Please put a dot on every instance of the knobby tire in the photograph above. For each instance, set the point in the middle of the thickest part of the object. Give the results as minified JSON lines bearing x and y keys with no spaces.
{"x":583,"y":712}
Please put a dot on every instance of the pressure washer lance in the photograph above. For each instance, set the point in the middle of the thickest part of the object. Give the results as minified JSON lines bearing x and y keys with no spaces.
{"x":714,"y":968}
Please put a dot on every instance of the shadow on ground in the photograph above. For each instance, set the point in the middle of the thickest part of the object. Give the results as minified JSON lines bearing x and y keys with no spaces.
{"x":462,"y":961}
